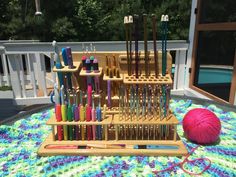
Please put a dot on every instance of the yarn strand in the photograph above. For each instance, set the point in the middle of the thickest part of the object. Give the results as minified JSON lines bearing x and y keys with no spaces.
{"x":186,"y":160}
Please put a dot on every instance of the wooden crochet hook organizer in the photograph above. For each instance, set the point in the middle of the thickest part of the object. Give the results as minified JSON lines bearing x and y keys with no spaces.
{"x":138,"y":123}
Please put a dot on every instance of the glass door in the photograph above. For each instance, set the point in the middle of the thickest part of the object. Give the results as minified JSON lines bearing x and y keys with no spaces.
{"x":214,"y":49}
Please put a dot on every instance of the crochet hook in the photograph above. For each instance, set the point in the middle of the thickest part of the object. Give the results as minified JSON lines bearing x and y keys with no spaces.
{"x":64,"y":113}
{"x":58,"y":112}
{"x":82,"y":115}
{"x":58,"y":62}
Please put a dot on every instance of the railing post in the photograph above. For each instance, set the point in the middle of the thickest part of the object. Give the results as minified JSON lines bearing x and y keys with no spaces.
{"x":5,"y":69}
{"x":14,"y":67}
{"x":41,"y":72}
{"x":180,"y":70}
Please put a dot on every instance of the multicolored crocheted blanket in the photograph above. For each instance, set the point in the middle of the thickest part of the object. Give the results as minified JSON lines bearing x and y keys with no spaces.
{"x":19,"y":144}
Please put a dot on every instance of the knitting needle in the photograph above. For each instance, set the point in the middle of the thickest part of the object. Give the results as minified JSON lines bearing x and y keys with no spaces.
{"x":145,"y":44}
{"x":165,"y":42}
{"x":96,"y":70}
{"x":137,"y":110}
{"x":126,"y":21}
{"x":144,"y":103}
{"x":149,"y":101}
{"x":155,"y":45}
{"x":136,"y":18}
{"x":64,"y":113}
{"x":164,"y":20}
{"x":130,"y":43}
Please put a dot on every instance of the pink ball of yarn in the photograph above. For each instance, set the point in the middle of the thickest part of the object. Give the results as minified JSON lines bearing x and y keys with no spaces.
{"x":201,"y":126}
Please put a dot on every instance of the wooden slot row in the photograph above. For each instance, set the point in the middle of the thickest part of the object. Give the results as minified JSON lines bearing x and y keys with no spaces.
{"x":116,"y":120}
{"x":106,"y":78}
{"x":92,"y":73}
{"x":142,"y":79}
{"x":67,"y":69}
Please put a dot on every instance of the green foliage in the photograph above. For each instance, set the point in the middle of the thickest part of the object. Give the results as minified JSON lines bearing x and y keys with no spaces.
{"x":63,"y":29}
{"x":5,"y":88}
{"x":87,"y":20}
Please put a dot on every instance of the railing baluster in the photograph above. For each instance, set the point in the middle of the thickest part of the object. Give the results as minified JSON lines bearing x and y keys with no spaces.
{"x":176,"y":70}
{"x":52,"y":65}
{"x":22,"y":75}
{"x":41,"y":72}
{"x":182,"y":70}
{"x":15,"y":74}
{"x":31,"y":72}
{"x":1,"y":77}
{"x":5,"y":69}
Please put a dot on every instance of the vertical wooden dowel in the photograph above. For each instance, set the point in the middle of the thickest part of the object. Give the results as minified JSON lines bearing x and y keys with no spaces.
{"x":175,"y":133}
{"x":116,"y":129}
{"x":53,"y":133}
{"x":106,"y":132}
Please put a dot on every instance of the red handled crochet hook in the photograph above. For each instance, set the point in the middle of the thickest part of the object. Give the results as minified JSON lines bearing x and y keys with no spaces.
{"x":58,"y":112}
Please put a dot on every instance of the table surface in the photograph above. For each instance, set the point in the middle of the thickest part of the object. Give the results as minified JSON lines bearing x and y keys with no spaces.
{"x":20,"y":141}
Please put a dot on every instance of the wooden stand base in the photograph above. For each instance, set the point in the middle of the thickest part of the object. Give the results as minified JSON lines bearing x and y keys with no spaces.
{"x":114,"y":147}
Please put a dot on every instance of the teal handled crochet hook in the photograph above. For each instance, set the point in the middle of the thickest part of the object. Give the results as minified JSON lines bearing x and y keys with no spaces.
{"x":58,"y":62}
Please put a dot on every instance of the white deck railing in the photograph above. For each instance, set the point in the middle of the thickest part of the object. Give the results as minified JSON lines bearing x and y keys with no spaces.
{"x":30,"y":84}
